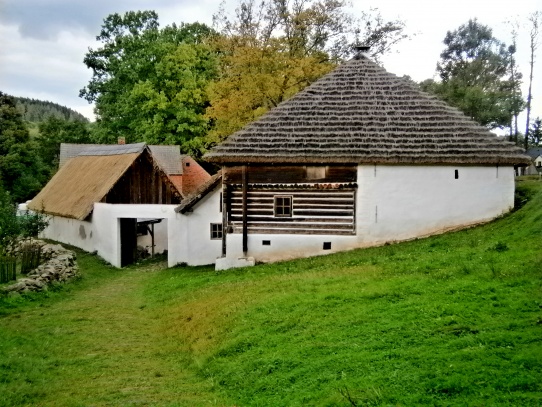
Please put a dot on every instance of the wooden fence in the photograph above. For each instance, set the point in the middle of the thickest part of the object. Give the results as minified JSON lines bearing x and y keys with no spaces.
{"x":8,"y":269}
{"x":30,"y":257}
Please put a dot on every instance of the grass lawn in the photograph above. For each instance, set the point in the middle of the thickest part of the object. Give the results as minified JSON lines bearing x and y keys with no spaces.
{"x":451,"y":320}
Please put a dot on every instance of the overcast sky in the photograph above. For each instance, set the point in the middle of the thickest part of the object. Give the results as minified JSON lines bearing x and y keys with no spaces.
{"x":43,"y":42}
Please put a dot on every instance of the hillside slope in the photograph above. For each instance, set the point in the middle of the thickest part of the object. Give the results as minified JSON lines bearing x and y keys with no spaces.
{"x":36,"y":111}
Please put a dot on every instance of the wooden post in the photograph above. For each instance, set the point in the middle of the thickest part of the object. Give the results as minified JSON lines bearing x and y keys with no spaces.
{"x":245,"y":225}
{"x":152,"y":240}
{"x":225,"y":200}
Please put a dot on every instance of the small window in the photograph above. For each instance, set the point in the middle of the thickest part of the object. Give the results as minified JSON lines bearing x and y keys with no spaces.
{"x":220,"y":203}
{"x":187,"y":164}
{"x":314,"y":172}
{"x":283,"y":205}
{"x":327,"y":245}
{"x":456,"y":174}
{"x":216,"y":231}
{"x":266,"y":242}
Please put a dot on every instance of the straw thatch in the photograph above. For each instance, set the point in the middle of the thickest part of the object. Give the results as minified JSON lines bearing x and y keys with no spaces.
{"x":360,"y":113}
{"x":80,"y":182}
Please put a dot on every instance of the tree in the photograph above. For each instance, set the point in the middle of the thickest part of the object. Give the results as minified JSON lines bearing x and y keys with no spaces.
{"x":535,"y":133}
{"x":55,"y":131}
{"x":475,"y":76}
{"x":535,"y":19}
{"x":169,"y":108}
{"x":21,"y":170}
{"x":273,"y":49}
{"x":516,"y":103}
{"x":148,"y":82}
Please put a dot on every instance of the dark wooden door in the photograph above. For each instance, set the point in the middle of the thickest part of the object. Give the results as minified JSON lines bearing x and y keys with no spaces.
{"x":128,"y":241}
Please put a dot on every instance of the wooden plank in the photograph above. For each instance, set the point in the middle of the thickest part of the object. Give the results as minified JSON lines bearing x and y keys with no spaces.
{"x":303,"y":193}
{"x":296,"y":232}
{"x":307,"y":226}
{"x":225,"y":200}
{"x":252,"y":219}
{"x":245,"y":203}
{"x":322,"y":213}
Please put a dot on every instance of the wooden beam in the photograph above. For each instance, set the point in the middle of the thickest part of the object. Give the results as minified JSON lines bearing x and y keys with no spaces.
{"x":245,"y":220}
{"x":225,"y":200}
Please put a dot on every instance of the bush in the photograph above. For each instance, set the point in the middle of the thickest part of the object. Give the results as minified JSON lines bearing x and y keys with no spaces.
{"x":13,"y":227}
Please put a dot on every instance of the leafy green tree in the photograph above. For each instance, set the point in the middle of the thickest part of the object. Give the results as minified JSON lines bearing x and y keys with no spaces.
{"x":9,"y":226}
{"x":21,"y":169}
{"x":475,"y":76}
{"x":273,"y":49}
{"x":169,"y":107}
{"x":55,"y":131}
{"x":148,"y":82}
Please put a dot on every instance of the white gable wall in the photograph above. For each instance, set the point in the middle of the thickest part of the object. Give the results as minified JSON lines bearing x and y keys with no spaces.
{"x":195,"y":235}
{"x":396,"y":203}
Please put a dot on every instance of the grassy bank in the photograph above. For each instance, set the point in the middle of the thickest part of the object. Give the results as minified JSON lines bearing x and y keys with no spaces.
{"x":449,"y":320}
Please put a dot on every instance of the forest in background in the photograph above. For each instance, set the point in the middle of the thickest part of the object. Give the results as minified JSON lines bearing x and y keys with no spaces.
{"x":37,"y":111}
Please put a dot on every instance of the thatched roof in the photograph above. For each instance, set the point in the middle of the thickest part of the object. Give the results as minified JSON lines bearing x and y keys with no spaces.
{"x":360,"y":113}
{"x":200,"y":193}
{"x":80,"y":182}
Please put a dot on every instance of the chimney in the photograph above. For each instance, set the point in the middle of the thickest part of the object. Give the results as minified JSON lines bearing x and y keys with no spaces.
{"x":121,"y":140}
{"x":361,"y":50}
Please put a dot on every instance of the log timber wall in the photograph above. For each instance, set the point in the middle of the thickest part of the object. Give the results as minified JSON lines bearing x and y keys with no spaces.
{"x":323,"y":200}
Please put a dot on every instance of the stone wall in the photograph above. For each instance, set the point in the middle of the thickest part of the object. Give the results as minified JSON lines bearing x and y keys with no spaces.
{"x":58,"y":265}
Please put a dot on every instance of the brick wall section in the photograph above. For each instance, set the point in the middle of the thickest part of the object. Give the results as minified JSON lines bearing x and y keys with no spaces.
{"x":193,"y":176}
{"x":177,"y":180}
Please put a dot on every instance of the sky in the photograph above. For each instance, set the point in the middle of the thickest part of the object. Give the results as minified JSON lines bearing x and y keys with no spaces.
{"x":43,"y":42}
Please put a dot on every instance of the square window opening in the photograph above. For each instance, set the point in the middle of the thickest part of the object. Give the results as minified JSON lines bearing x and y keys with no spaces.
{"x":216,"y":231}
{"x":327,"y":245}
{"x":283,"y":205}
{"x":266,"y":242}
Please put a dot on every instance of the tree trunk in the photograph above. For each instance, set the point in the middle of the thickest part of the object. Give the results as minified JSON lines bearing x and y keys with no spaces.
{"x":535,"y":19}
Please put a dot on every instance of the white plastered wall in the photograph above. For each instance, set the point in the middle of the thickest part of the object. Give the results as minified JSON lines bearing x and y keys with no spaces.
{"x":186,"y":237}
{"x":396,"y":203}
{"x":160,"y":238}
{"x":195,"y":236}
{"x":106,"y":220}
{"x":75,"y":232}
{"x":403,"y":202}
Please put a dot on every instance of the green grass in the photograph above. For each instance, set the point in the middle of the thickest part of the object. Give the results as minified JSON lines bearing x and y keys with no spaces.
{"x":452,"y":320}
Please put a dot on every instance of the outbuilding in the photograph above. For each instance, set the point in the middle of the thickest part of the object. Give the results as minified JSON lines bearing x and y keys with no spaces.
{"x":120,"y":201}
